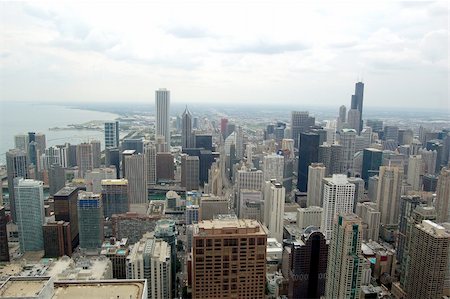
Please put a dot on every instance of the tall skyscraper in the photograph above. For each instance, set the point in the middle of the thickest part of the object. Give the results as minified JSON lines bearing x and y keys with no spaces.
{"x":338,"y":195}
{"x":21,"y":142}
{"x":354,"y":120}
{"x":273,"y":167}
{"x":150,"y":160}
{"x":308,"y":265}
{"x":57,"y":239}
{"x":342,"y":117}
{"x":190,"y":172}
{"x":248,"y":179}
{"x":65,"y":202}
{"x":347,"y":140}
{"x":372,"y":160}
{"x":391,"y":133}
{"x":90,"y":220}
{"x":112,"y":134}
{"x":85,"y":158}
{"x":388,"y":194}
{"x":274,"y":196}
{"x":135,"y":173}
{"x":166,"y":230}
{"x":415,"y":172}
{"x":134,"y":144}
{"x":187,"y":140}
{"x":115,"y":197}
{"x":345,"y":258}
{"x":301,"y":122}
{"x":429,"y":260}
{"x":370,"y":216}
{"x":96,"y":153}
{"x":162,"y":115}
{"x":443,"y":196}
{"x":4,"y":248}
{"x":218,"y":271}
{"x":308,"y":153}
{"x":316,"y":172}
{"x":30,"y":213}
{"x":357,"y":102}
{"x":223,"y":127}
{"x":16,"y":166}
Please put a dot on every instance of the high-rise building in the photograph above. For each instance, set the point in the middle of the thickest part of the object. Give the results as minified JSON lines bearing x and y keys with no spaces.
{"x":30,"y":213}
{"x":357,"y":102}
{"x":90,"y":220}
{"x":370,"y":216}
{"x":112,"y":134}
{"x":115,"y":197}
{"x":388,"y":194}
{"x":135,"y":173}
{"x":187,"y":140}
{"x":164,"y":167}
{"x":316,"y":172}
{"x":310,"y":216}
{"x":166,"y":230}
{"x":391,"y":133}
{"x":96,"y":153}
{"x":65,"y":203}
{"x":308,"y":265}
{"x":85,"y":158}
{"x":190,"y":172}
{"x":347,"y":139}
{"x":150,"y":160}
{"x":274,"y":196}
{"x":93,"y":178}
{"x":112,"y":158}
{"x":443,"y":196}
{"x":308,"y":153}
{"x":211,"y":206}
{"x":354,"y":120}
{"x":251,"y":205}
{"x":372,"y":160}
{"x":203,"y":141}
{"x":345,"y":258}
{"x":223,"y":127}
{"x":301,"y":122}
{"x":21,"y":142}
{"x":150,"y":259}
{"x":192,"y":214}
{"x":342,"y":117}
{"x":162,"y":115}
{"x":16,"y":166}
{"x":41,"y":143}
{"x":338,"y":194}
{"x":415,"y":172}
{"x":229,"y":259}
{"x":57,"y":239}
{"x":429,"y":260}
{"x":247,"y":179}
{"x":273,"y":167}
{"x":4,"y":248}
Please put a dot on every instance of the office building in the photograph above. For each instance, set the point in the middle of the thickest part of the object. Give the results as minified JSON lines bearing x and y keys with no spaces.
{"x":347,"y":139}
{"x":249,"y":179}
{"x":372,"y":160}
{"x":65,"y":206}
{"x":429,"y":260}
{"x":388,"y":194}
{"x":301,"y":122}
{"x":190,"y":172}
{"x":85,"y":158}
{"x":150,"y":259}
{"x":345,"y":258}
{"x":342,"y":118}
{"x":112,"y":134}
{"x":316,"y":173}
{"x":273,"y":167}
{"x":415,"y":172}
{"x":164,"y":167}
{"x":187,"y":139}
{"x":133,"y":225}
{"x":115,"y":197}
{"x":223,"y":127}
{"x":338,"y":194}
{"x":16,"y":166}
{"x":166,"y":230}
{"x":30,"y":213}
{"x":251,"y":205}
{"x":162,"y":115}
{"x":112,"y":158}
{"x":135,"y":173}
{"x":192,"y":214}
{"x":391,"y":133}
{"x":203,"y":141}
{"x":90,"y":220}
{"x":357,"y":102}
{"x":308,"y":265}
{"x":116,"y":251}
{"x":93,"y":178}
{"x":429,"y":182}
{"x":229,"y":259}
{"x":354,"y":120}
{"x":443,"y":196}
{"x":4,"y":248}
{"x":150,"y":160}
{"x":57,"y":239}
{"x":274,"y":196}
{"x":370,"y":216}
{"x":308,"y":153}
{"x":310,"y":216}
{"x":136,"y":145}
{"x":21,"y":142}
{"x":211,"y":206}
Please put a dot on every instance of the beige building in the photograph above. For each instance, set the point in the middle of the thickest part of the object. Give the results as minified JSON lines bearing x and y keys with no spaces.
{"x":229,"y":259}
{"x":310,"y":216}
{"x":211,"y":206}
{"x":388,"y":194}
{"x":316,"y":172}
{"x":443,"y":196}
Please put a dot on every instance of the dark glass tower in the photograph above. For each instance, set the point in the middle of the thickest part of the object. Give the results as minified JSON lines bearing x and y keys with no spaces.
{"x":308,"y":153}
{"x":16,"y":166}
{"x":357,"y":101}
{"x":372,"y":160}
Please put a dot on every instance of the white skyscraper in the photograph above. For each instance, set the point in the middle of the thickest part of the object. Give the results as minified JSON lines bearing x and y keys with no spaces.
{"x":162,"y":115}
{"x":338,"y":194}
{"x":347,"y":139}
{"x":274,"y":195}
{"x":388,"y":194}
{"x":135,"y":172}
{"x":415,"y":170}
{"x":316,"y":172}
{"x":273,"y":167}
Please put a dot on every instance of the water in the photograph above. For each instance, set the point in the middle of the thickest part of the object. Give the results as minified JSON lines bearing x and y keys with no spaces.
{"x":17,"y":118}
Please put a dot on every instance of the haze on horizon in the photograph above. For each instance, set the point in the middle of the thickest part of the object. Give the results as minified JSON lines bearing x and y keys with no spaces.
{"x":231,"y":52}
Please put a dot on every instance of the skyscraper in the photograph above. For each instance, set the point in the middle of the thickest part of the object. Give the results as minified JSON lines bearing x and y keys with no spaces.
{"x":85,"y":158}
{"x":16,"y":166}
{"x":166,"y":230}
{"x":162,"y":115}
{"x":301,"y":122}
{"x":90,"y":220}
{"x":370,"y":216}
{"x":273,"y":167}
{"x":316,"y":172}
{"x":443,"y":196}
{"x":223,"y":127}
{"x":372,"y":160}
{"x":187,"y":140}
{"x":115,"y":197}
{"x":30,"y":213}
{"x":190,"y":172}
{"x":21,"y":142}
{"x":96,"y":153}
{"x":135,"y":173}
{"x":274,"y":196}
{"x":357,"y":102}
{"x":345,"y":258}
{"x":4,"y":248}
{"x":347,"y":140}
{"x":111,"y":134}
{"x":338,"y":195}
{"x":354,"y":120}
{"x":415,"y":172}
{"x":308,"y":153}
{"x":342,"y":117}
{"x":388,"y":194}
{"x":65,"y":202}
{"x":222,"y":267}
{"x":150,"y":160}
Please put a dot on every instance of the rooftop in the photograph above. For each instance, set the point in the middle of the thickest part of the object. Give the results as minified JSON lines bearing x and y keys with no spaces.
{"x":19,"y":287}
{"x":102,"y":289}
{"x":122,"y":182}
{"x":231,"y":226}
{"x":64,"y":191}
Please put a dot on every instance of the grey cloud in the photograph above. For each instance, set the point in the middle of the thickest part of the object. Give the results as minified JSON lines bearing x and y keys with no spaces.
{"x":434,"y":45}
{"x":343,"y":45}
{"x":188,"y":32}
{"x":263,"y":47}
{"x":5,"y":54}
{"x":39,"y":13}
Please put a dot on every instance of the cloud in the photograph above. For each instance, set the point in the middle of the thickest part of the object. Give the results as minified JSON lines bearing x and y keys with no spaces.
{"x":264,"y":47}
{"x":434,"y":45}
{"x":188,"y":32}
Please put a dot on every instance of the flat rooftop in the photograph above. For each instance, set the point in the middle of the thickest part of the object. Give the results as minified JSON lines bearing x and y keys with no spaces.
{"x":117,"y":289}
{"x":18,"y":288}
{"x":231,"y":226}
{"x":65,"y":191}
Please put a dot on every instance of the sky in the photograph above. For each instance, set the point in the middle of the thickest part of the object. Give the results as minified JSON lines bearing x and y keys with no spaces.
{"x":252,"y":52}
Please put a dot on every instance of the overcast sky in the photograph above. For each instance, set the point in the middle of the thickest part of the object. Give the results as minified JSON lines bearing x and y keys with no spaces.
{"x":259,"y":52}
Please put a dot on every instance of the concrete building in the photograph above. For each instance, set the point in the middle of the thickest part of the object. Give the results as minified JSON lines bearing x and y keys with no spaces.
{"x":274,"y":197}
{"x":316,"y":173}
{"x":301,"y":122}
{"x":273,"y":167}
{"x":345,"y":258}
{"x":16,"y":166}
{"x":211,"y":206}
{"x":347,"y":140}
{"x":249,"y":179}
{"x":57,"y":239}
{"x":192,"y":214}
{"x":150,"y":160}
{"x":166,"y":230}
{"x":96,"y":153}
{"x":164,"y":167}
{"x":354,"y":120}
{"x":443,"y":196}
{"x":101,"y":289}
{"x":115,"y":197}
{"x":218,"y":270}
{"x":93,"y":178}
{"x":370,"y":216}
{"x":21,"y":142}
{"x":90,"y":220}
{"x":116,"y":251}
{"x":133,"y":225}
{"x":338,"y":195}
{"x":388,"y":194}
{"x":150,"y":259}
{"x":310,"y":216}
{"x":30,"y":213}
{"x":187,"y":138}
{"x":135,"y":173}
{"x":85,"y":158}
{"x":65,"y":206}
{"x":251,"y":205}
{"x":20,"y":287}
{"x":162,"y":99}
{"x":308,"y":153}
{"x":190,"y":172}
{"x":415,"y":172}
{"x":112,"y":134}
{"x":4,"y":248}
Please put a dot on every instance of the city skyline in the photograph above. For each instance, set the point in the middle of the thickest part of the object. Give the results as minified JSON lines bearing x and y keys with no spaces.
{"x":195,"y":51}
